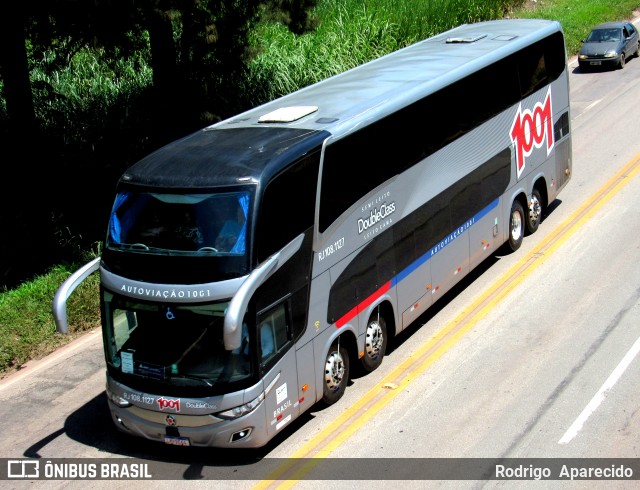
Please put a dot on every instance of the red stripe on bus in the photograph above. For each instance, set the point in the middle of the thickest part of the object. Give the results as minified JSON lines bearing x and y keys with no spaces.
{"x":351,"y":314}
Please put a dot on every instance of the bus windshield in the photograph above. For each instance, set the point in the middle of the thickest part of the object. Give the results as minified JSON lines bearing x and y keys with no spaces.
{"x":180,"y":224}
{"x":177,"y":344}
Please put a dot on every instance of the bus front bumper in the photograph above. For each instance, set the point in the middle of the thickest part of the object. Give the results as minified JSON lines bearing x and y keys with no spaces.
{"x":191,"y":430}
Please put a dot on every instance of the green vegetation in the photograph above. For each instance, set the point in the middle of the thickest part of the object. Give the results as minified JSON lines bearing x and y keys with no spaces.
{"x":578,"y":17}
{"x":350,"y":32}
{"x":353,"y":32}
{"x":27,"y":329}
{"x":88,"y":89}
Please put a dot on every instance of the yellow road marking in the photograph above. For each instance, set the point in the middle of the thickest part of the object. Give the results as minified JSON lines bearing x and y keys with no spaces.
{"x":363,"y":410}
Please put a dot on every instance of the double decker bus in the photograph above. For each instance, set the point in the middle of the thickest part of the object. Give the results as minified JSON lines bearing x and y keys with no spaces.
{"x":250,"y":267}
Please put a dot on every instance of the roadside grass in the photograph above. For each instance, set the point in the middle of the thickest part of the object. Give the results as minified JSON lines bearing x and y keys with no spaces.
{"x":351,"y":32}
{"x":27,"y":329}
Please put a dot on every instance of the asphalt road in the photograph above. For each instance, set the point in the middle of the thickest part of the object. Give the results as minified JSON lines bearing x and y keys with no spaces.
{"x":532,"y":356}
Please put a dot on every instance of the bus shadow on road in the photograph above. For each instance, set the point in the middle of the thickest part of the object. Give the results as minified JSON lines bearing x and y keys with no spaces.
{"x":91,"y":425}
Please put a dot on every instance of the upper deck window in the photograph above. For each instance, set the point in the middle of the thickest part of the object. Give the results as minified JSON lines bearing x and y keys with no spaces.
{"x":213,"y":223}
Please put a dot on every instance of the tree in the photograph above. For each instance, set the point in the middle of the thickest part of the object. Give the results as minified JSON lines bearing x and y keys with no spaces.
{"x":198,"y":53}
{"x":197,"y":72}
{"x":15,"y":73}
{"x":198,"y":47}
{"x":293,"y":13}
{"x":15,"y":147}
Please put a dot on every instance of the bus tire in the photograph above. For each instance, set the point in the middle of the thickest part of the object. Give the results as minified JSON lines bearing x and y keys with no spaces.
{"x":516,"y":225}
{"x":336,"y":373}
{"x":375,"y":343}
{"x":534,"y":216}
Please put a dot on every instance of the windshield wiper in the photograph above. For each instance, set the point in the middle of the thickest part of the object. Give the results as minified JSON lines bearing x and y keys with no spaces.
{"x":193,"y":377}
{"x":140,"y":247}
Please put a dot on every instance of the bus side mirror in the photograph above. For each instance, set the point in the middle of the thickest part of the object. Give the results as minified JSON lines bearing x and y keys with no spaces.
{"x":64,"y":291}
{"x":232,"y":330}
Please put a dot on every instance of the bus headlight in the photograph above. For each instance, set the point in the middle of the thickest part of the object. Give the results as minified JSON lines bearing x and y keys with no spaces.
{"x":234,"y":413}
{"x":117,"y":399}
{"x":237,"y":412}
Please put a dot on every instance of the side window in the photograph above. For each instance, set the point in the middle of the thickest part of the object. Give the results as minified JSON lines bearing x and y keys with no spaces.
{"x":479,"y":188}
{"x":273,"y":332}
{"x":532,"y":70}
{"x":288,"y":206}
{"x":541,"y":63}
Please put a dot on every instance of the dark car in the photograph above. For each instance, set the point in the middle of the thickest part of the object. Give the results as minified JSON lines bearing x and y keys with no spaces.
{"x":609,"y":44}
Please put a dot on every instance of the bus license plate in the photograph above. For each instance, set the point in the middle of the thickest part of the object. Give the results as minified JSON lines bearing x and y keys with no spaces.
{"x":176,"y":441}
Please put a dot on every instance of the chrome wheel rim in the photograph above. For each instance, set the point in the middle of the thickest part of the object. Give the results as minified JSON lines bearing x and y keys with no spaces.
{"x":535,"y":210}
{"x":516,"y":225}
{"x":334,"y":371}
{"x":374,"y":340}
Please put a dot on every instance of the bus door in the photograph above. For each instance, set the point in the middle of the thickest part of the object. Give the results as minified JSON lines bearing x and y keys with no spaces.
{"x":277,"y":359}
{"x":487,"y":184}
{"x":414,"y":268}
{"x":483,"y":236}
{"x":450,"y":254}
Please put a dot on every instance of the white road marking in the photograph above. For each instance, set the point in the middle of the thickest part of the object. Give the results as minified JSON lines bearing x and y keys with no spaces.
{"x":601,"y":394}
{"x":589,"y":107}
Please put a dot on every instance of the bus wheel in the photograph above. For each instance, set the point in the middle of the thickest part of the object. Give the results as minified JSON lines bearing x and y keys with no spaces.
{"x":516,"y":226}
{"x":375,"y":343}
{"x":534,"y":216}
{"x":336,"y":373}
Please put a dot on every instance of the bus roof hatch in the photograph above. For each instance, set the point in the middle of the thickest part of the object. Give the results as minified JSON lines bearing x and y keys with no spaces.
{"x":288,"y":114}
{"x":465,"y":40}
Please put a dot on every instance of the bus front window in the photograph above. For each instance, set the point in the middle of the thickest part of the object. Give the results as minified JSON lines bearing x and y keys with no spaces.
{"x":179,"y":224}
{"x":181,"y":345}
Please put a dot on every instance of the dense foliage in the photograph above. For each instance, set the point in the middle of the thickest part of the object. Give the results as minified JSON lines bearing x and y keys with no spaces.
{"x":90,"y":87}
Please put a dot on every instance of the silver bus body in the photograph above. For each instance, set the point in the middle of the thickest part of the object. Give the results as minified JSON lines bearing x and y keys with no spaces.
{"x":362,"y":200}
